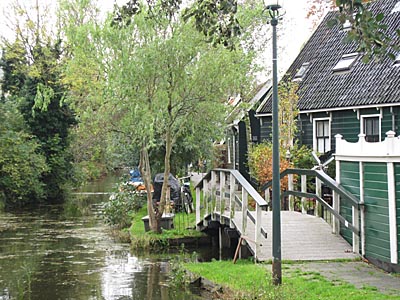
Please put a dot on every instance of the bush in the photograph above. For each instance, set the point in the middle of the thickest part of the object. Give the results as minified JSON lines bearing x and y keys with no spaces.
{"x":260,"y":163}
{"x":119,"y":210}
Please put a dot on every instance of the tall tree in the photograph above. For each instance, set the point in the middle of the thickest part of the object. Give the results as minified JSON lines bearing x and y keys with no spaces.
{"x":161,"y":81}
{"x":32,"y":77}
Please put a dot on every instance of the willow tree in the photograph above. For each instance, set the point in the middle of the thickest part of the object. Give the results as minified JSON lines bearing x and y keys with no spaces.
{"x":159,"y":80}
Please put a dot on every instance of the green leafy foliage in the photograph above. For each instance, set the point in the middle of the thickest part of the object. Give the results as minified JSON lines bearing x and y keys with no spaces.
{"x":21,"y":167}
{"x":32,"y":79}
{"x":121,"y":206}
{"x":217,"y":20}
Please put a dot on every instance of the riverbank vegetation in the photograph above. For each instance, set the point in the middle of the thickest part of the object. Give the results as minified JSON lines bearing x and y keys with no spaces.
{"x":246,"y":280}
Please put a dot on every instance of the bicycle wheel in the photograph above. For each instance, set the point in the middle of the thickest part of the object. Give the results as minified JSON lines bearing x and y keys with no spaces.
{"x":188,"y":203}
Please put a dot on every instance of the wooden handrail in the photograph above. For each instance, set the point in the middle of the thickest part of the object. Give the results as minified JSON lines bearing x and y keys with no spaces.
{"x":326,"y":205}
{"x":328,"y":181}
{"x":241,"y":181}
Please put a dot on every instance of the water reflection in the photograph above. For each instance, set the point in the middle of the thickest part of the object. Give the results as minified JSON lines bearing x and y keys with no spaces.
{"x":65,"y":252}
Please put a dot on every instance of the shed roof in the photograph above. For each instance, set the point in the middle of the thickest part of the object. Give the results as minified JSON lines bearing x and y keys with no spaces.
{"x":374,"y":83}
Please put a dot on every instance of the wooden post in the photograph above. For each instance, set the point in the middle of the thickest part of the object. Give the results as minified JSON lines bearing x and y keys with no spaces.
{"x":258,"y":231}
{"x":356,"y":224}
{"x":198,"y":205}
{"x":222,"y":193}
{"x":213,"y":194}
{"x":244,"y":210}
{"x":268,"y":199}
{"x":206,"y":195}
{"x":231,"y":200}
{"x":335,"y":221}
{"x":318,"y":192}
{"x":291,"y":187}
{"x":394,"y":259}
{"x":362,"y":208}
{"x":304,"y":190}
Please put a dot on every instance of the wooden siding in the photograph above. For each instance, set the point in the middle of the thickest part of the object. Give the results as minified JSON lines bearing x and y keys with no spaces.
{"x":386,"y":123}
{"x":266,"y":129}
{"x":346,"y":124}
{"x":377,"y":213}
{"x":397,"y":188}
{"x":305,"y":130}
{"x":396,"y":111}
{"x":350,"y":179}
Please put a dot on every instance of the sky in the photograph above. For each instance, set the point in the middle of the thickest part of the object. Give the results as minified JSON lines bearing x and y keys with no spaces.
{"x":295,"y":29}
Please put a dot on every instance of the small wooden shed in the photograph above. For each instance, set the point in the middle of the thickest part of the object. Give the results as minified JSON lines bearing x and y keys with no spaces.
{"x":371,"y":171}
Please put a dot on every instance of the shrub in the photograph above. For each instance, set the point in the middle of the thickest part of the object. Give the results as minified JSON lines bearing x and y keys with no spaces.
{"x":260,"y":163}
{"x":118,"y":211}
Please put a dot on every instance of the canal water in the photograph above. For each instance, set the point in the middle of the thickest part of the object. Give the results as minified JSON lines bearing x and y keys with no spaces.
{"x":67,"y":252}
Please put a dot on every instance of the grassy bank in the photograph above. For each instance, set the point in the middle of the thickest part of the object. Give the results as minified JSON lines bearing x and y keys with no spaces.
{"x":246,"y":280}
{"x":184,"y":227}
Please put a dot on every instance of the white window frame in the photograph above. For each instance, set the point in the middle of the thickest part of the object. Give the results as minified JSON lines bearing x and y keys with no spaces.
{"x":346,"y":62}
{"x":397,"y":60}
{"x":362,"y":117}
{"x":315,"y":143}
{"x":301,"y":72}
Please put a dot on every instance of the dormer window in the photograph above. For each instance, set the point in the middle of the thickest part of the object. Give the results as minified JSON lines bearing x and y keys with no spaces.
{"x":396,"y":8}
{"x":346,"y":62}
{"x":301,"y":72}
{"x":347,"y":25}
{"x":397,"y":61}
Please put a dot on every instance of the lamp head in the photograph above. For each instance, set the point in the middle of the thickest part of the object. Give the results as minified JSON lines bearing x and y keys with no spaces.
{"x":273,"y":4}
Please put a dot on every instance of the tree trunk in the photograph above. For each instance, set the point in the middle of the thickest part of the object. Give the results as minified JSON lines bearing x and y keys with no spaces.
{"x":167,"y":166}
{"x":145,"y":171}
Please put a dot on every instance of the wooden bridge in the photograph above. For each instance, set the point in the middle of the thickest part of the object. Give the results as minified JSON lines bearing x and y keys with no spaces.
{"x":228,"y":199}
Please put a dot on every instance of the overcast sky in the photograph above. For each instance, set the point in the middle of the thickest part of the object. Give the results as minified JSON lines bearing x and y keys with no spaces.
{"x":295,"y":26}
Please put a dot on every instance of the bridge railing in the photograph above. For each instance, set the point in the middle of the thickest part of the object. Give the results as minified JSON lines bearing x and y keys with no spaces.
{"x":339,"y":194}
{"x":223,"y":192}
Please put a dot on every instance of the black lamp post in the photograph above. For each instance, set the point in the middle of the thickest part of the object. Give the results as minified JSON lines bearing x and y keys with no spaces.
{"x":273,"y":10}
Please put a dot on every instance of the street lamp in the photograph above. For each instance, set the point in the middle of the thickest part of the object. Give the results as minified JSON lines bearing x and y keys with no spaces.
{"x":273,"y":10}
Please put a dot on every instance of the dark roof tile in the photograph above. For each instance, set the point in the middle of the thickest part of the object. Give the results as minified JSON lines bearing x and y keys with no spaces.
{"x":376,"y":82}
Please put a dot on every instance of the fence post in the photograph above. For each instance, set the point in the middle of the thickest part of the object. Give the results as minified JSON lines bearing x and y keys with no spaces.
{"x":258,"y":231}
{"x":356,"y":224}
{"x":303,"y":190}
{"x":336,"y":205}
{"x":244,"y":210}
{"x":198,"y":205}
{"x":206,"y":195}
{"x":221,"y":193}
{"x":291,"y":187}
{"x":267,"y":199}
{"x":213,"y":194}
{"x":231,"y":200}
{"x":318,"y":192}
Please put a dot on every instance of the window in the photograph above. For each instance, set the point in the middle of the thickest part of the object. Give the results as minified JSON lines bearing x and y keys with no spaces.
{"x":346,"y":62}
{"x":322,"y":135}
{"x":301,"y":72}
{"x":396,"y":8}
{"x":347,"y":26}
{"x":397,"y":61}
{"x":371,"y":128}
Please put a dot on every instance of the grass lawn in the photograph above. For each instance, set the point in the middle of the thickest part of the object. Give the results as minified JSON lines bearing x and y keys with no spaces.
{"x":247,"y":280}
{"x":184,"y":226}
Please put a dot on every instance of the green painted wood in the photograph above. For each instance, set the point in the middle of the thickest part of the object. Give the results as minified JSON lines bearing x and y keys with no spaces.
{"x":346,"y":123}
{"x":350,"y":180}
{"x":386,"y":123}
{"x":397,"y":189}
{"x":305,"y":131}
{"x":377,"y":237}
{"x":266,"y":129}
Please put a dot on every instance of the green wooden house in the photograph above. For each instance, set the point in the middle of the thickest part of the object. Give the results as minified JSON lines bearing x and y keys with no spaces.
{"x":338,"y":93}
{"x":358,"y":103}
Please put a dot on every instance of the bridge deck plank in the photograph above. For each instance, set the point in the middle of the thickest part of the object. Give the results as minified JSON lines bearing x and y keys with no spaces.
{"x":303,"y":237}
